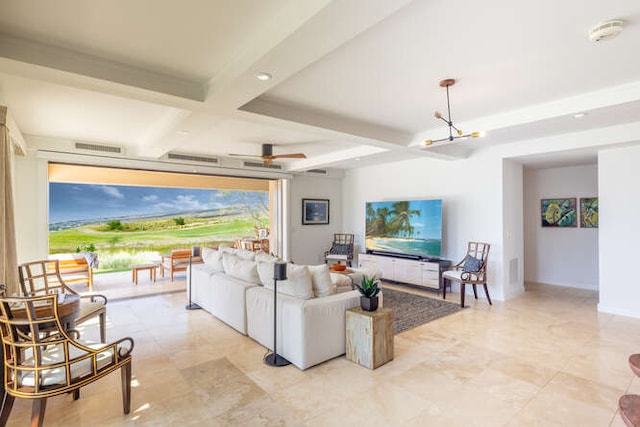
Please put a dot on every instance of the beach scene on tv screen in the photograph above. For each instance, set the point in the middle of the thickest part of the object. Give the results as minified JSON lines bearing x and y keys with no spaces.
{"x":411,"y":227}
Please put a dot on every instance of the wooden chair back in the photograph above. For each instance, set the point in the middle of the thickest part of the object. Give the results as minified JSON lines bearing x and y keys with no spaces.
{"x":343,"y":239}
{"x":41,"y":278}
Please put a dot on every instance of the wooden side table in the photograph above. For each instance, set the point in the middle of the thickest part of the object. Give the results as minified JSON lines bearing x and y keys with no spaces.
{"x":135,"y":269}
{"x":370,"y":336}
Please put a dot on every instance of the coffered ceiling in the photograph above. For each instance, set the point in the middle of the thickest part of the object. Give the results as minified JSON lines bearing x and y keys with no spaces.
{"x":354,"y":82}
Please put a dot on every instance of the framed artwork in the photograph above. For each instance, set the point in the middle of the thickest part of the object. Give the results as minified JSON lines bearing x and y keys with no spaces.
{"x":315,"y":211}
{"x":558,"y":212}
{"x":589,"y":212}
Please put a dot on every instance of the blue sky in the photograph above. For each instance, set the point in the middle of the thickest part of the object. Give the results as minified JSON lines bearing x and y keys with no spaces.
{"x":86,"y":201}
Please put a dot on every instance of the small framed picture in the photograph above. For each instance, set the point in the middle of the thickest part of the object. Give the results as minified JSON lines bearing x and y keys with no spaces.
{"x":558,"y":212}
{"x":315,"y":211}
{"x":589,"y":212}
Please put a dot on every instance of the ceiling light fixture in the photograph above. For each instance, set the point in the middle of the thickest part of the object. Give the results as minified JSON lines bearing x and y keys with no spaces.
{"x":459,"y":134}
{"x":264,"y":76}
{"x":579,"y":115}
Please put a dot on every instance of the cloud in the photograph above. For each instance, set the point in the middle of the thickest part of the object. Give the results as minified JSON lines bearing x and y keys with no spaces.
{"x":150,"y":198}
{"x":183,"y":203}
{"x":112,"y":192}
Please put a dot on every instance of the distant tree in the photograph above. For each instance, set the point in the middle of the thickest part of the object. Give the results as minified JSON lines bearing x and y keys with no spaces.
{"x":179,"y":220}
{"x":114,"y":225}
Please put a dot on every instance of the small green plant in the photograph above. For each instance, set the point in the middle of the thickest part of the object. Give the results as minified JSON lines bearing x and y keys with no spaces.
{"x":369,"y":287}
{"x":86,"y":247}
{"x":179,"y":220}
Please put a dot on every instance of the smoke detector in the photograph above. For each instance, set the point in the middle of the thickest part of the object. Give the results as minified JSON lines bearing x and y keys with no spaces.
{"x":605,"y":30}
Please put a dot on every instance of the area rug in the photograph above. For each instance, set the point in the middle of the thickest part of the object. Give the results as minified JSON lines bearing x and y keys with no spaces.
{"x":411,"y":310}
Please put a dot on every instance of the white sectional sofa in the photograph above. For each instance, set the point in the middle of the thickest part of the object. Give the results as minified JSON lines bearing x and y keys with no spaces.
{"x":237,"y":288}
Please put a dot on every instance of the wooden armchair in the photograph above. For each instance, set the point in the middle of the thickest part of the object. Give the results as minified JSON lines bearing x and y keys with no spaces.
{"x":43,"y":277}
{"x":472,"y":270}
{"x":177,"y":260}
{"x":341,"y":249}
{"x":39,"y":365}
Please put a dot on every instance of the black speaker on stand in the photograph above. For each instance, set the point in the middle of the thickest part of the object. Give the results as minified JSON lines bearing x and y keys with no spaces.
{"x":279,"y":273}
{"x":192,"y":305}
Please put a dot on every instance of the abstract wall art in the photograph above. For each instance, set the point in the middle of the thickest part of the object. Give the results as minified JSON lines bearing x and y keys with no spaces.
{"x":559,"y":212}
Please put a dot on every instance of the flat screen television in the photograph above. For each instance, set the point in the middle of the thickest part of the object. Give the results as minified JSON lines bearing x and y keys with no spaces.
{"x":410,"y":228}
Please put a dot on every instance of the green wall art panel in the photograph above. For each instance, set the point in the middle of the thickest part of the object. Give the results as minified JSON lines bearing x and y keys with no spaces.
{"x":559,"y":212}
{"x":589,"y":212}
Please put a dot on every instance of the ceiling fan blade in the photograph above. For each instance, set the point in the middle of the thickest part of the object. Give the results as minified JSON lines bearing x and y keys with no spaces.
{"x":290,"y":156}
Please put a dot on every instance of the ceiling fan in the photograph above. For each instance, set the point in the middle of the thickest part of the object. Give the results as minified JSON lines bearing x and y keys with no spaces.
{"x":268,"y":157}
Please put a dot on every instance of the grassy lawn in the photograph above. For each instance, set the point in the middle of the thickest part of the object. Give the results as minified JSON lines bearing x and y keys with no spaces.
{"x":118,"y":250}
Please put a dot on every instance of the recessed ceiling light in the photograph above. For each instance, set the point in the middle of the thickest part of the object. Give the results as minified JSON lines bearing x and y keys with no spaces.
{"x":264,"y":76}
{"x":183,"y":132}
{"x":579,"y":115}
{"x":357,"y":159}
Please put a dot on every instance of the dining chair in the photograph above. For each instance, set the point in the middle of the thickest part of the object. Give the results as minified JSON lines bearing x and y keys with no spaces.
{"x":43,"y":277}
{"x":39,"y":365}
{"x":341,"y":249}
{"x":471,"y":270}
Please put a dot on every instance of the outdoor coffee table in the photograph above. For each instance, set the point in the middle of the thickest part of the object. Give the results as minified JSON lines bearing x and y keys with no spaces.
{"x":135,"y":269}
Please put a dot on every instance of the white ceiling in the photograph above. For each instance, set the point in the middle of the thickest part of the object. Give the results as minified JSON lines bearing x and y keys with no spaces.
{"x":351,"y":79}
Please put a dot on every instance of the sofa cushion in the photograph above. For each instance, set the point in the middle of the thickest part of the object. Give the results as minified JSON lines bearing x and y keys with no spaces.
{"x":240,"y":268}
{"x":265,"y":257}
{"x":212,"y":258}
{"x":265,"y":272}
{"x":321,"y":280}
{"x":298,"y":283}
{"x":245,"y":254}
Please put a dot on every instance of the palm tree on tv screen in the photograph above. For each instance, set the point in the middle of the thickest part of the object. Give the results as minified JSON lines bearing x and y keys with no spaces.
{"x":400,"y":224}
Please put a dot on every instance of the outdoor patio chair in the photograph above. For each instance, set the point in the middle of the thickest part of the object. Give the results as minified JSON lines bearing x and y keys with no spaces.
{"x":43,"y":277}
{"x":176,"y":261}
{"x":39,"y":365}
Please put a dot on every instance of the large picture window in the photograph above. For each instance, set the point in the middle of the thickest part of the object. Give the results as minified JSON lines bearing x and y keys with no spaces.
{"x":92,"y":210}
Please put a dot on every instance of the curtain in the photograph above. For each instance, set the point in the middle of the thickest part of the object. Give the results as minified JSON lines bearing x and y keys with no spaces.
{"x":8,"y":256}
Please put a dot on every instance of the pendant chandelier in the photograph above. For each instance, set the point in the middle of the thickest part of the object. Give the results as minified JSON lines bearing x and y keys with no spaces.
{"x":458,"y":133}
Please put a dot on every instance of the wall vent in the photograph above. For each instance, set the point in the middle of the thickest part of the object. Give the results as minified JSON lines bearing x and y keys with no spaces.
{"x":192,"y":158}
{"x":98,"y":147}
{"x":318,"y":171}
{"x":262,"y":165}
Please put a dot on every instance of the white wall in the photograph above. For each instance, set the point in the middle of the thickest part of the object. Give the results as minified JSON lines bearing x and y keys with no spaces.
{"x":619,"y":231}
{"x":471,"y":191}
{"x":308,"y":242}
{"x":560,"y":256}
{"x":513,"y":235}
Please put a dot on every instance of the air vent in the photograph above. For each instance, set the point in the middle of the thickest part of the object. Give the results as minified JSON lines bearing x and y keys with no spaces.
{"x":191,"y":158}
{"x":98,"y":147}
{"x":261,"y":165}
{"x":318,"y":171}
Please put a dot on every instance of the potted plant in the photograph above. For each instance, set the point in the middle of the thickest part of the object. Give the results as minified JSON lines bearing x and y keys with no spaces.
{"x":369,"y":289}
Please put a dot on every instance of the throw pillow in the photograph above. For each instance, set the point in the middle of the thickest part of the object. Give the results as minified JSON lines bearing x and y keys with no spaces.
{"x":245,"y":254}
{"x":213,"y":258}
{"x":265,"y":257}
{"x":265,"y":272}
{"x":226,"y":248}
{"x":298,"y":283}
{"x":240,"y":268}
{"x":341,"y":249}
{"x":321,"y":280}
{"x":471,"y":264}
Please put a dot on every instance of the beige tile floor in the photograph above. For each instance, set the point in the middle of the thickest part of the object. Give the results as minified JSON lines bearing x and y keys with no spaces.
{"x":547,"y":358}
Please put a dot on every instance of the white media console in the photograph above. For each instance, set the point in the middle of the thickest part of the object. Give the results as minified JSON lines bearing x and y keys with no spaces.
{"x":427,"y":274}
